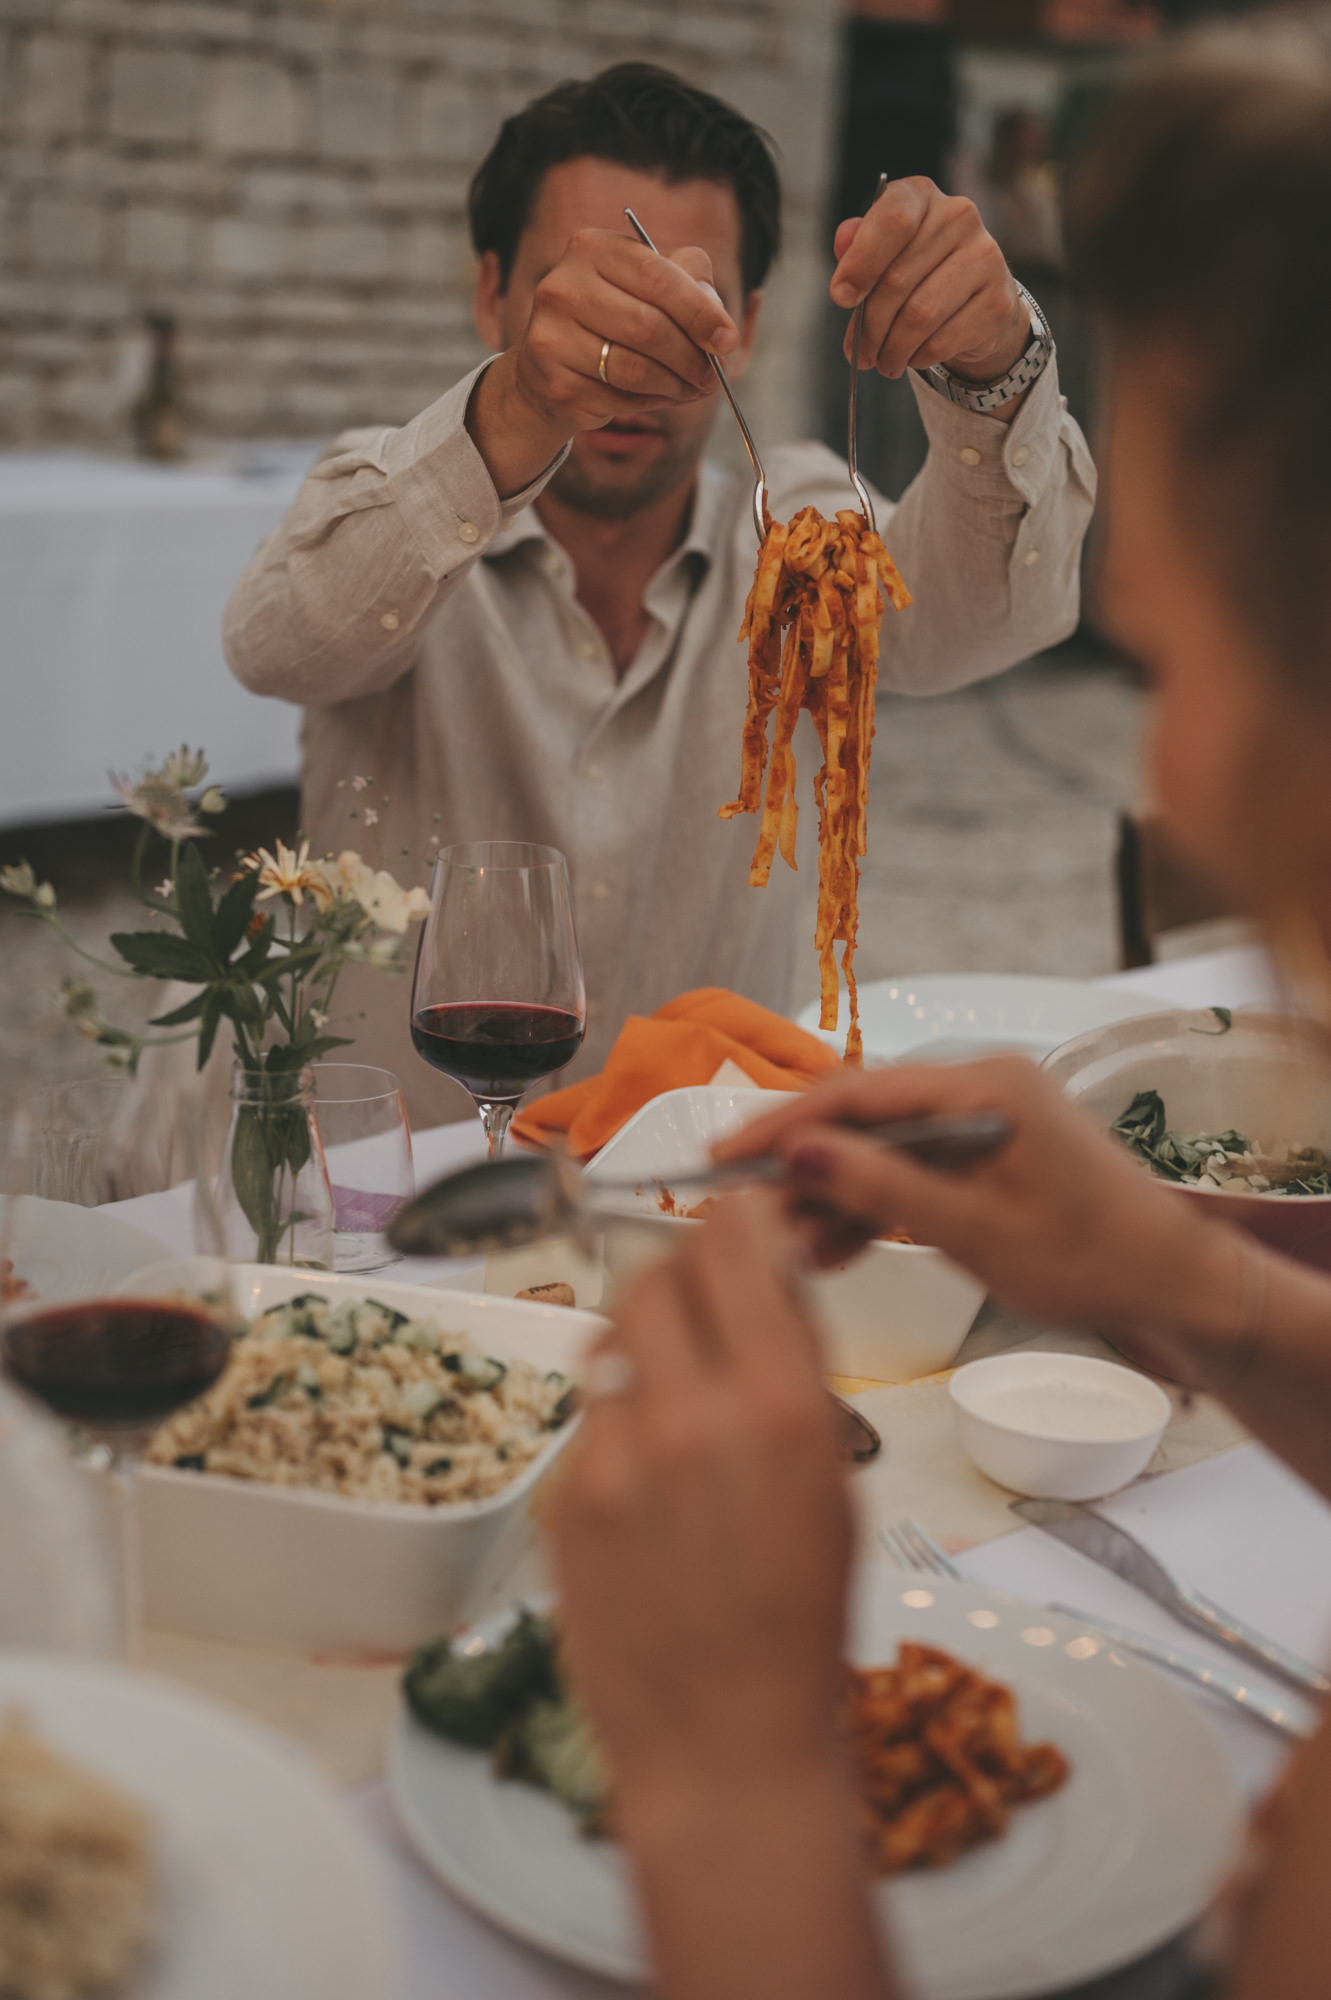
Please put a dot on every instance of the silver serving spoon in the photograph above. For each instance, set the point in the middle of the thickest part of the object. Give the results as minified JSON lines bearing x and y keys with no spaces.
{"x":523,"y":1198}
{"x":759,"y":476}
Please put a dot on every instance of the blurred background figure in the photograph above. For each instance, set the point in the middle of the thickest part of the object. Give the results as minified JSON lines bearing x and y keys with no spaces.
{"x":1022,"y":201}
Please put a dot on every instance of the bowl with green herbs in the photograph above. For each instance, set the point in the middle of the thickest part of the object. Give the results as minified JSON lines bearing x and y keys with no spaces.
{"x":1230,"y":1108}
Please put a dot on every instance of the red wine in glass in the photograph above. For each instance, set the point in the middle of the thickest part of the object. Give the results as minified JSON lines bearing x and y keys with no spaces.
{"x":117,"y":1365}
{"x":497,"y":1049}
{"x":498,"y":1001}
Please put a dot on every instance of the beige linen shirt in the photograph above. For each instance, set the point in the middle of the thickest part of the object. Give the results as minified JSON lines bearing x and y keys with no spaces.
{"x":432,"y":633}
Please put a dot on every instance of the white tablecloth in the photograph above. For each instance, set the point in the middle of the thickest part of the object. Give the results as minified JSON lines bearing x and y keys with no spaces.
{"x":1239,"y":1525}
{"x":114,"y":575}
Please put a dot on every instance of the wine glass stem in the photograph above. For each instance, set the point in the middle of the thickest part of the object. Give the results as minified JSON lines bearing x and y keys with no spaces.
{"x":496,"y":1119}
{"x":120,"y":1475}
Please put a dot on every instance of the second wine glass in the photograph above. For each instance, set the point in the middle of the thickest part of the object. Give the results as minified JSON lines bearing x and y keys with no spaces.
{"x":498,"y":1002}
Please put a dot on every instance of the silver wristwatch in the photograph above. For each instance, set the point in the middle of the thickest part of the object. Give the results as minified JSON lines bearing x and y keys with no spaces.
{"x":986,"y":396}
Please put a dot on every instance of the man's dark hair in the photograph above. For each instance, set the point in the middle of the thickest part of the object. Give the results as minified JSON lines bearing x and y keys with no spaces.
{"x":640,"y":116}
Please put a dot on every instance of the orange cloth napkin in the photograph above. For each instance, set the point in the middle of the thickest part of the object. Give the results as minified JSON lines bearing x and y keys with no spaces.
{"x":684,"y":1042}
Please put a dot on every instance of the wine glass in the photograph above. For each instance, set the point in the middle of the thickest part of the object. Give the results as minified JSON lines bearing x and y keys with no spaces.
{"x":115,"y":1296}
{"x":498,"y":1000}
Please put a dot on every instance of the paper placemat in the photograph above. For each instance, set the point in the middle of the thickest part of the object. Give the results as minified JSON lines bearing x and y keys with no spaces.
{"x":923,"y":1472}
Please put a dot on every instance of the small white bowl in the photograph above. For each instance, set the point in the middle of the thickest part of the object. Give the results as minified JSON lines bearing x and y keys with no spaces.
{"x":1058,"y":1426}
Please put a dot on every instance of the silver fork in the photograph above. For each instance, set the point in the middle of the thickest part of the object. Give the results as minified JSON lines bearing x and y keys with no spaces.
{"x":910,"y":1548}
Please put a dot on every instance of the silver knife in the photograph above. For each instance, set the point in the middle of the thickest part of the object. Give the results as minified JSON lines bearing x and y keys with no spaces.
{"x":1291,"y":1719}
{"x":1114,"y":1549}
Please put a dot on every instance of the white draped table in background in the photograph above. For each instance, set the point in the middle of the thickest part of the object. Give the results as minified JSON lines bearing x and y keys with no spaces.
{"x":114,"y":575}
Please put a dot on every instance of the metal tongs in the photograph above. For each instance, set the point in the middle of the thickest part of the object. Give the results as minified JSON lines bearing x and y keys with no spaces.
{"x":759,"y":476}
{"x":856,"y":329}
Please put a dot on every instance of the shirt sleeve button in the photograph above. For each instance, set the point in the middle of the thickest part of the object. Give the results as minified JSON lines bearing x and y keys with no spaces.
{"x":1031,"y":557}
{"x":390,"y":621}
{"x":969,"y":455}
{"x":1021,"y":454}
{"x":468,"y":531}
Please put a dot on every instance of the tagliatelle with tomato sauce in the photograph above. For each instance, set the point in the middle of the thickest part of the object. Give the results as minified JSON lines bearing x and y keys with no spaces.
{"x":822,"y":584}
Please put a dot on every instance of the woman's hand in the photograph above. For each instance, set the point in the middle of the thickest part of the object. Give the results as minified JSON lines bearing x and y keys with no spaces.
{"x":703,"y":1531}
{"x":1061,"y":1223}
{"x":702,"y":1537}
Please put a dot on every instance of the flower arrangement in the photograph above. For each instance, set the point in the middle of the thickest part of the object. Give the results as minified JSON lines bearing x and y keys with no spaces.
{"x":271,"y":974}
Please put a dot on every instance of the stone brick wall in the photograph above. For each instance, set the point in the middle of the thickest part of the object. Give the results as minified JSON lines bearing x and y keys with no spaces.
{"x":288,"y":176}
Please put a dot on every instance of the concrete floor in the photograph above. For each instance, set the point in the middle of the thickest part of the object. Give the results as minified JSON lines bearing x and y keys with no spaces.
{"x":990,"y":847}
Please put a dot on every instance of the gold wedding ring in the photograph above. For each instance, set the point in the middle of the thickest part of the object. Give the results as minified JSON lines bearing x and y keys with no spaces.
{"x":605,"y":356}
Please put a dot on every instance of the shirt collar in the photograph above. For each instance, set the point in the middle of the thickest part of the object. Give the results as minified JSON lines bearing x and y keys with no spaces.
{"x":705,"y":533}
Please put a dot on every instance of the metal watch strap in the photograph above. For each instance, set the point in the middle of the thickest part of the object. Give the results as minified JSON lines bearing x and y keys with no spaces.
{"x":986,"y":396}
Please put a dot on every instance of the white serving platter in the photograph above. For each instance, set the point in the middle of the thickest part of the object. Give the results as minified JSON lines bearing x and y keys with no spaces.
{"x":952,"y":1016}
{"x":1128,"y":1852}
{"x":237,"y":1559}
{"x":267,"y":1888}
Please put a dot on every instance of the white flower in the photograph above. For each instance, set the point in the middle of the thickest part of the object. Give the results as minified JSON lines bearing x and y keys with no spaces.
{"x":289,"y":873}
{"x":18,"y":879}
{"x":359,"y":784}
{"x":162,"y":804}
{"x":380,"y":896}
{"x":183,"y":768}
{"x":319,"y":1018}
{"x":166,"y":889}
{"x":371,"y":816}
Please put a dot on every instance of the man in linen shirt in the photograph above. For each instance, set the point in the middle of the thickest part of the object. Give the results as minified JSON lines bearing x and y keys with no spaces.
{"x":517,"y":614}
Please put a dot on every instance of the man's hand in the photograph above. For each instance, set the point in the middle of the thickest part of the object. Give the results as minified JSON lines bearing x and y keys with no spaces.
{"x":937,"y":285}
{"x":662,"y":317}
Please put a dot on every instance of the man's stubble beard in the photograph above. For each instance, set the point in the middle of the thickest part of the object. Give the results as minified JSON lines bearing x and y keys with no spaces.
{"x":574,"y":487}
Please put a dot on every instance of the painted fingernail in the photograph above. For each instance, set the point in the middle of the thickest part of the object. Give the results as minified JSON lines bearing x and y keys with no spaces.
{"x":810,"y":1159}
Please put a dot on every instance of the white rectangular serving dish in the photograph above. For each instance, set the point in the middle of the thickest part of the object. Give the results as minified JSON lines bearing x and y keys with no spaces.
{"x":236,"y":1559}
{"x":896,"y":1312}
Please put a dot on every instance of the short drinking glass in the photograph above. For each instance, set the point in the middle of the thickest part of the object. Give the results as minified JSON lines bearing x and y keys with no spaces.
{"x":362,"y":1121}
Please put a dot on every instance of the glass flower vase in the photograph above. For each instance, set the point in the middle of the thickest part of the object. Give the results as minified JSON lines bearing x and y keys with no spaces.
{"x":274,"y":1194}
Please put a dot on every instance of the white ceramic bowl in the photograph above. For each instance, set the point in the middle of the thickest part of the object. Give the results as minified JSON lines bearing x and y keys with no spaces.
{"x":235,"y":1559}
{"x":1048,"y":1448}
{"x":898,"y":1311}
{"x":1265,"y":1075}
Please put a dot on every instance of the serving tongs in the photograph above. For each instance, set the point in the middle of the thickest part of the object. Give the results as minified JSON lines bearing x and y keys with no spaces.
{"x":524,"y":1198}
{"x":852,"y":463}
{"x":759,"y":476}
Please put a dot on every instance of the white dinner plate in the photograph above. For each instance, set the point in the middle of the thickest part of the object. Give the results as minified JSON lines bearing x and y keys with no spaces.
{"x":1125,"y":1855}
{"x":949,"y":1016}
{"x":60,"y":1247}
{"x":268,"y":1890}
